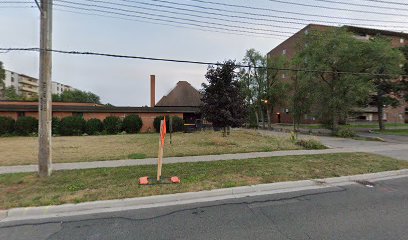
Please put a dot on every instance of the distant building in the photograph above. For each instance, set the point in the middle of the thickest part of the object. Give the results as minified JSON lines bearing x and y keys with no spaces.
{"x":183,"y":101}
{"x":27,"y":86}
{"x":290,"y":47}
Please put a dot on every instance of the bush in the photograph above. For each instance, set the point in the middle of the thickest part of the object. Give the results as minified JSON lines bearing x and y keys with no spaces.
{"x":310,"y":144}
{"x":112,"y":125}
{"x":93,"y":126}
{"x":6,"y":125}
{"x":56,"y":125}
{"x":345,"y":133}
{"x":26,"y":126}
{"x":178,"y":123}
{"x":72,"y":126}
{"x":132,"y":124}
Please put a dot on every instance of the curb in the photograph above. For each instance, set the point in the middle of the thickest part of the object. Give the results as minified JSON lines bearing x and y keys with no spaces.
{"x":32,"y":213}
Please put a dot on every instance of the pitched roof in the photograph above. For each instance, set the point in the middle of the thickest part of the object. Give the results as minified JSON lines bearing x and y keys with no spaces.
{"x":183,"y":95}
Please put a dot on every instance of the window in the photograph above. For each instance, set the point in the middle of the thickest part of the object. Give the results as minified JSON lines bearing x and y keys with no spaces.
{"x":57,"y":88}
{"x":284,"y":52}
{"x":402,"y":40}
{"x":12,"y":79}
{"x":20,"y":114}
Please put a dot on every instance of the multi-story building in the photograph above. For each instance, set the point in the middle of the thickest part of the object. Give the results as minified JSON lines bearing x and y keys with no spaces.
{"x":291,"y":46}
{"x":27,"y":86}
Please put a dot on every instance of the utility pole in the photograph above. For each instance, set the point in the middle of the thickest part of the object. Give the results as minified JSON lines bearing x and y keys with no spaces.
{"x":45,"y":104}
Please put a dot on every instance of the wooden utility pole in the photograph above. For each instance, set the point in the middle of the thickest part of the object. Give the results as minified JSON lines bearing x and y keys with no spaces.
{"x":45,"y":104}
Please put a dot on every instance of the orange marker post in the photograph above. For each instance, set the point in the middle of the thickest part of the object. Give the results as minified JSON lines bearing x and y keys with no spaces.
{"x":161,"y":147}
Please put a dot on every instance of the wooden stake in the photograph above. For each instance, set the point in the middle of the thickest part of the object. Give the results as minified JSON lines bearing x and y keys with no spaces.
{"x":160,"y":154}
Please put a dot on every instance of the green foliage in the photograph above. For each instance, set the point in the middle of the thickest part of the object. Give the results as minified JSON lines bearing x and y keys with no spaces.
{"x":26,"y":126}
{"x":132,"y":123}
{"x":112,"y":124}
{"x":10,"y":93}
{"x":223,"y":98}
{"x":76,"y":96}
{"x":382,"y":58}
{"x":2,"y":75}
{"x":72,"y":126}
{"x":6,"y":125}
{"x":334,"y":51}
{"x":177,"y":122}
{"x":93,"y":126}
{"x":345,"y":133}
{"x":310,"y":144}
{"x":56,"y":125}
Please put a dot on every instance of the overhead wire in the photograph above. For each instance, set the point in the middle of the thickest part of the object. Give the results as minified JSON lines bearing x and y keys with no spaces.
{"x":191,"y":62}
{"x":387,"y":2}
{"x":280,"y":11}
{"x":338,"y":8}
{"x":362,"y":5}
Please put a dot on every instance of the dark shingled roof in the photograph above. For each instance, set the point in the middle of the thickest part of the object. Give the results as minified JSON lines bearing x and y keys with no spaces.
{"x":183,"y":95}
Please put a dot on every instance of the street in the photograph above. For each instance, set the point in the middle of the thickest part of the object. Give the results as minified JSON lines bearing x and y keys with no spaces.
{"x":351,"y":212}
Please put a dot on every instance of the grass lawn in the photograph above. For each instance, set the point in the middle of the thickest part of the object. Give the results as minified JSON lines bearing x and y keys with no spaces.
{"x":401,"y":132}
{"x":74,"y":186}
{"x":373,"y":125}
{"x":23,"y":150}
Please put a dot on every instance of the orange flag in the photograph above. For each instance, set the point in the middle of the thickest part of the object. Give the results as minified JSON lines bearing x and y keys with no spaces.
{"x":163,"y":131}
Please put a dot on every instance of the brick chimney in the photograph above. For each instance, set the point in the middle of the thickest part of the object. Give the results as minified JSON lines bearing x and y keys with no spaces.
{"x":152,"y":90}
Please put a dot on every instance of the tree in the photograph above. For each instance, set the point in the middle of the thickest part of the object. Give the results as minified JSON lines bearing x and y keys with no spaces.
{"x":403,"y":86}
{"x":76,"y":96}
{"x":384,"y":63}
{"x":2,"y":76}
{"x":10,"y":93}
{"x":331,"y":54}
{"x":223,"y":99}
{"x":253,"y":81}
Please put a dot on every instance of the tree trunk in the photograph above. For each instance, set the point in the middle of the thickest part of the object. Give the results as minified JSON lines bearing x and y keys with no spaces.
{"x":224,"y":133}
{"x":335,"y":121}
{"x":380,"y":109}
{"x":262,"y":119}
{"x":257,"y":119}
{"x":228,"y":130}
{"x":268,"y":112}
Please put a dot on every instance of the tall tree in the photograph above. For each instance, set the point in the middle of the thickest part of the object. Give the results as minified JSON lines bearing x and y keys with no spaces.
{"x":330,"y":54}
{"x":2,"y":77}
{"x":384,"y":62}
{"x":10,"y":93}
{"x":404,"y":81}
{"x":76,"y":96}
{"x":223,"y":99}
{"x":255,"y":79}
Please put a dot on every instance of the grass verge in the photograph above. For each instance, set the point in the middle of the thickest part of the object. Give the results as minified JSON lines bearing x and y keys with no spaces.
{"x":23,"y":150}
{"x":400,"y":132}
{"x":74,"y":186}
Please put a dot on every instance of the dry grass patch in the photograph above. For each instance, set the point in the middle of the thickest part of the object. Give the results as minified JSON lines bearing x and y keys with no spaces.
{"x":23,"y":150}
{"x":26,"y":189}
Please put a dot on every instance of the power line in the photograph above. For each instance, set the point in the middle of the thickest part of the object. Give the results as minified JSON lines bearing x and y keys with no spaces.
{"x":258,"y":15}
{"x":165,"y":24}
{"x":177,"y":18}
{"x":339,"y":9}
{"x":362,"y":5}
{"x":189,"y":14}
{"x":192,"y":62}
{"x":274,"y":10}
{"x":388,"y":2}
{"x":172,"y":21}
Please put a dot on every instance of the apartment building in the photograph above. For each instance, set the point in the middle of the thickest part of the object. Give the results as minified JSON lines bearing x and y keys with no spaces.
{"x":291,"y":46}
{"x":27,"y":86}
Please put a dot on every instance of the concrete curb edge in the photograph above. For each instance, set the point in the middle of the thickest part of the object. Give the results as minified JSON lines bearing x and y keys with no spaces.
{"x":31,"y":213}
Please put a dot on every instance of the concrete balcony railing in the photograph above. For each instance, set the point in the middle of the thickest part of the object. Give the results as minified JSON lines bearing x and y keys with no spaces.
{"x":27,"y":89}
{"x":28,"y":82}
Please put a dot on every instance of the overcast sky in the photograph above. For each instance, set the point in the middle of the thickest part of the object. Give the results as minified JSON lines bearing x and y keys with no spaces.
{"x":126,"y":81}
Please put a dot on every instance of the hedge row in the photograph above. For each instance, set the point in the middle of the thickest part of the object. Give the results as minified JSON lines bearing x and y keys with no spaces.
{"x":23,"y":126}
{"x":75,"y":126}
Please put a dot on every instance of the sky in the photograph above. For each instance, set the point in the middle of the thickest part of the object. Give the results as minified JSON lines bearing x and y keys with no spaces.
{"x":125,"y":82}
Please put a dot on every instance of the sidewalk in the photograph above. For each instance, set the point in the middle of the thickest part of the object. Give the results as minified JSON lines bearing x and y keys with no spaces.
{"x":378,"y":149}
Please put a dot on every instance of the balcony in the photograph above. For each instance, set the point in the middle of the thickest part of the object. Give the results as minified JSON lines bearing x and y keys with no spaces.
{"x":28,"y":82}
{"x":28,"y":89}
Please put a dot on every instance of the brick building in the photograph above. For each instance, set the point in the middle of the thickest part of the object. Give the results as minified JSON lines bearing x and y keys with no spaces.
{"x":183,"y":101}
{"x":291,"y":46}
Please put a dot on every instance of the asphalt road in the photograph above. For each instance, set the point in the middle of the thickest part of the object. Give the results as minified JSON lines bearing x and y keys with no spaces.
{"x":352,"y":212}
